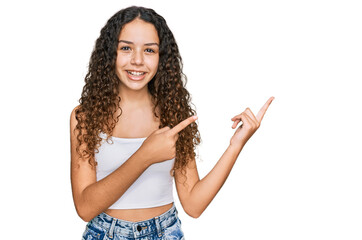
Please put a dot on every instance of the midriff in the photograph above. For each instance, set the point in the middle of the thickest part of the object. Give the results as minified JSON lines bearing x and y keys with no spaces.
{"x":136,"y":215}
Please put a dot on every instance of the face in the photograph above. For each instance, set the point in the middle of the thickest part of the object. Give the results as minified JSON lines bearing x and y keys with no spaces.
{"x":137,"y":54}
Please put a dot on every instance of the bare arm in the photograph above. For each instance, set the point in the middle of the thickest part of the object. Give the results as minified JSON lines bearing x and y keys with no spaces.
{"x":92,"y":197}
{"x":195,"y":194}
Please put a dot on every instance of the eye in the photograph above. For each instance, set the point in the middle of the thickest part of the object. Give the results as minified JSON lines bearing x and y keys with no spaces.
{"x":125,"y":48}
{"x":149,"y":50}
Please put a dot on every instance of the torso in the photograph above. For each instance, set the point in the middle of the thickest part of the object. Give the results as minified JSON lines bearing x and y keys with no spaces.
{"x":136,"y":123}
{"x":136,"y":215}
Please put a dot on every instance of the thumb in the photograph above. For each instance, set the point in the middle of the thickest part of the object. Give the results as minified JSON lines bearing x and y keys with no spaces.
{"x":161,"y":130}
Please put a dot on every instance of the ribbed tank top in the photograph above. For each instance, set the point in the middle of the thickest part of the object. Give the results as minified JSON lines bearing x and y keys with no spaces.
{"x":153,"y":188}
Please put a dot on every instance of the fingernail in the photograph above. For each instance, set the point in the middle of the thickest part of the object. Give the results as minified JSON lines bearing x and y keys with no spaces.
{"x":194,"y":117}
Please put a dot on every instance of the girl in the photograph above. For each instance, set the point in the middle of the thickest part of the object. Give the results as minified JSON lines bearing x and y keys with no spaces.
{"x":134,"y":132}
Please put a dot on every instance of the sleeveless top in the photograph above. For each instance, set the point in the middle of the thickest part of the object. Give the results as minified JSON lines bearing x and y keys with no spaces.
{"x":153,"y":188}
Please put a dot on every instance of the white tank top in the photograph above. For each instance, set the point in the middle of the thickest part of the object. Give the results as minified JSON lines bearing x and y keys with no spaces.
{"x":153,"y":188}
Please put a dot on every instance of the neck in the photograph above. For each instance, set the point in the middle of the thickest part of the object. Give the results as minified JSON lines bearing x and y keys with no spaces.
{"x":132,"y":98}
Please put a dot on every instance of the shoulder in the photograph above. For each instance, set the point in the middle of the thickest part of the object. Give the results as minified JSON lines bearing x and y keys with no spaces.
{"x":73,"y":118}
{"x":72,"y":114}
{"x":74,"y":129}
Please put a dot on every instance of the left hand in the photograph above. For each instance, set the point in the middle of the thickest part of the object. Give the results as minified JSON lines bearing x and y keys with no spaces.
{"x":249,"y":126}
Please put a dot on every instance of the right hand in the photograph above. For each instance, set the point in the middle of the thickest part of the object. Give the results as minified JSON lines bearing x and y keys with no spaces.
{"x":161,"y":144}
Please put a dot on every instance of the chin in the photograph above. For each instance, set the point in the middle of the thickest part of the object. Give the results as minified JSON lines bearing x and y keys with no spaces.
{"x":135,"y":86}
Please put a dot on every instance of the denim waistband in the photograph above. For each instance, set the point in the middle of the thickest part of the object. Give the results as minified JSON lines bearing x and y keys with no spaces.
{"x":136,"y":229}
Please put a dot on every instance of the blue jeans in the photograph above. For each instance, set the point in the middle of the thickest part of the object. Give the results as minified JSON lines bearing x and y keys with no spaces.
{"x":164,"y":227}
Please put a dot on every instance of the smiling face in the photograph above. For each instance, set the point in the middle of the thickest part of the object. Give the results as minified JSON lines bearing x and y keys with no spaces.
{"x":137,"y":54}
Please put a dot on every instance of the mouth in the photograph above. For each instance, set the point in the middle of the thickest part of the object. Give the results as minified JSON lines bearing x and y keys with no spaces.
{"x":136,"y":75}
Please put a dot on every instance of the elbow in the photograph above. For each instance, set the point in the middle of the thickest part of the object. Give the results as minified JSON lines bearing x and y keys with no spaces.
{"x":194,"y":215}
{"x":84,"y":214}
{"x":86,"y":210}
{"x":192,"y":212}
{"x":85,"y":217}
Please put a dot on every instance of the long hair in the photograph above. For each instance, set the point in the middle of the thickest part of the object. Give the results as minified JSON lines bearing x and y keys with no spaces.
{"x":99,"y":100}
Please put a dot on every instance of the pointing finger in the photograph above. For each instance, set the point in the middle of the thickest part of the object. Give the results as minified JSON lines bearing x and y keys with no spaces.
{"x":262,"y":111}
{"x":179,"y":127}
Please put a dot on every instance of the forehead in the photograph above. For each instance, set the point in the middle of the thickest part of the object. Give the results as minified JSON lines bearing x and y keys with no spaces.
{"x":139,"y":31}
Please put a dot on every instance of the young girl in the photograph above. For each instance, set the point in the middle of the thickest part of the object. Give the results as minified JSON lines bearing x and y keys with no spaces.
{"x":134,"y":131}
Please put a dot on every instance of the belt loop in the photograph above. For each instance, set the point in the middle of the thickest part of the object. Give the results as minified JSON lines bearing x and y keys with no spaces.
{"x":111,"y":229}
{"x":158,"y":226}
{"x":134,"y":228}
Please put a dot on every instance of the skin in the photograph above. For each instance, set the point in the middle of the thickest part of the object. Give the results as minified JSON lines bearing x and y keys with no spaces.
{"x":138,"y":50}
{"x":92,"y":197}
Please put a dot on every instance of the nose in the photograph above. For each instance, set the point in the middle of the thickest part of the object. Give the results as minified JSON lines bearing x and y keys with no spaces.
{"x":137,"y":57}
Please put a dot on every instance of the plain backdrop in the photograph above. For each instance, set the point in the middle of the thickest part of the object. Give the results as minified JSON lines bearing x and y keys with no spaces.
{"x":299,"y":176}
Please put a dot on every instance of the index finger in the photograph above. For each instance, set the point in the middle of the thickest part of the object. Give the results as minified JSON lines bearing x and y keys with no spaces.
{"x":262,"y":111}
{"x":179,"y":127}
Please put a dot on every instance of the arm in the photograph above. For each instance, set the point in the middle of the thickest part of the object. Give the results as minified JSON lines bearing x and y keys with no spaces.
{"x":195,"y":194}
{"x":92,"y":197}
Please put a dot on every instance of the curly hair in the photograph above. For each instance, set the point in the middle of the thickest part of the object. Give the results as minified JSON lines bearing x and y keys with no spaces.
{"x":100,"y":100}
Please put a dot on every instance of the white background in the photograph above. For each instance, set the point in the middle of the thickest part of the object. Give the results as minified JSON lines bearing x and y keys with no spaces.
{"x":300,"y":175}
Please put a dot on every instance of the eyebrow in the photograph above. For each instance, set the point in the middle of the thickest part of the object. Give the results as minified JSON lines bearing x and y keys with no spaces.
{"x":146,"y":44}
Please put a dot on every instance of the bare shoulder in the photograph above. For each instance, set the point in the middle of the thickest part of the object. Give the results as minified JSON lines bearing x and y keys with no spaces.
{"x":82,"y":173}
{"x":79,"y":165}
{"x":73,"y":120}
{"x":74,"y":135}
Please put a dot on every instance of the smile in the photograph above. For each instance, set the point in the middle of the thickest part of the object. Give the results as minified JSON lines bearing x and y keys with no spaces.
{"x":134,"y":73}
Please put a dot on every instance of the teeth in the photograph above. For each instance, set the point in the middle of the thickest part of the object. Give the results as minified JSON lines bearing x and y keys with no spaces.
{"x":136,"y":73}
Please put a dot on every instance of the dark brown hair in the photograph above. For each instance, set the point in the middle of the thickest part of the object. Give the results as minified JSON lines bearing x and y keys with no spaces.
{"x":100,"y":101}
